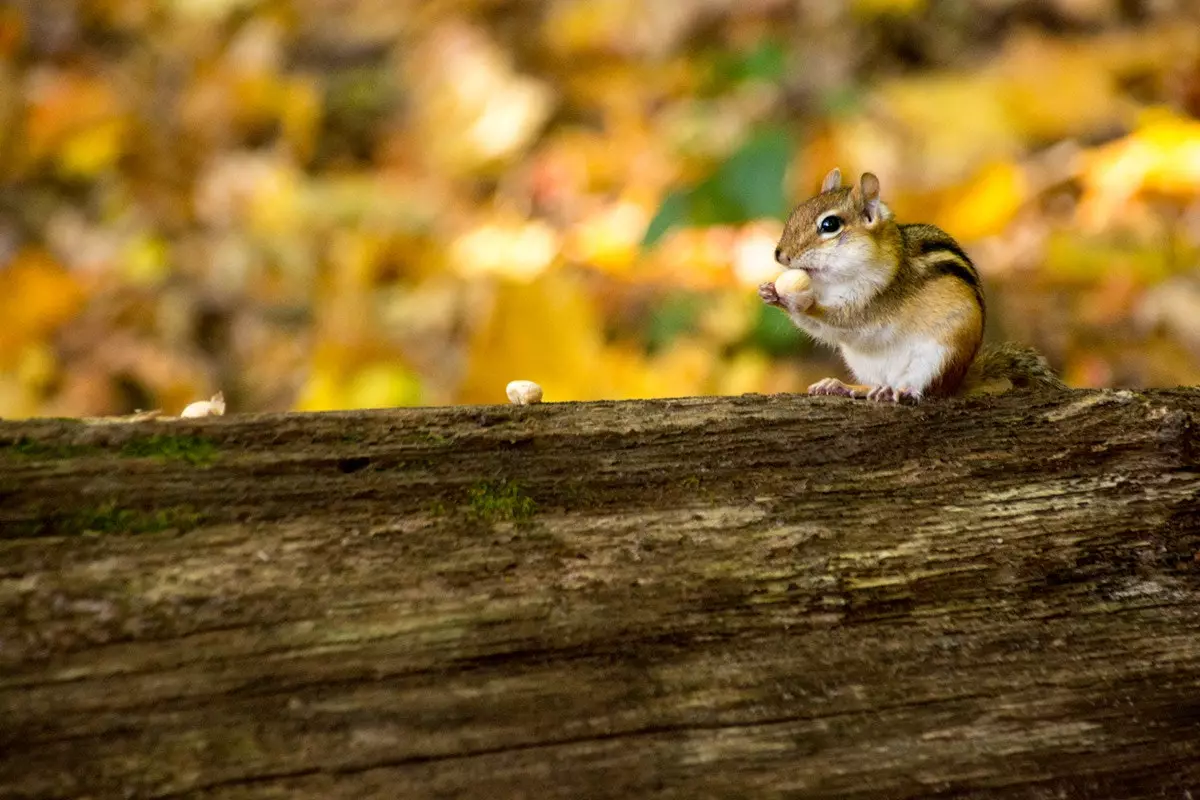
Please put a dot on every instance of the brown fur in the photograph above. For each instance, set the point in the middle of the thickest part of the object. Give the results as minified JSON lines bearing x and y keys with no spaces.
{"x":999,"y":368}
{"x":961,"y":330}
{"x":800,"y":234}
{"x":925,"y":281}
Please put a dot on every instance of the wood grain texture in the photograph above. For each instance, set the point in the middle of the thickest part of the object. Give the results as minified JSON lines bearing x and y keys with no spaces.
{"x":755,"y":596}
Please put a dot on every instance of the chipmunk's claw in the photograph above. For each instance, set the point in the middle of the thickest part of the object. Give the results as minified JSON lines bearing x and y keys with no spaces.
{"x":878,"y":394}
{"x":767,"y":292}
{"x":833,"y":387}
{"x":893,"y":394}
{"x":882,"y":394}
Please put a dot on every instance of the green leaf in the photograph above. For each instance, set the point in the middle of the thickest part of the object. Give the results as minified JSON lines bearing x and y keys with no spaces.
{"x":678,"y":314}
{"x":842,"y":101}
{"x":675,"y":209}
{"x":748,"y":186}
{"x":712,"y":205}
{"x":774,"y":334}
{"x":752,"y":178}
{"x":767,"y":62}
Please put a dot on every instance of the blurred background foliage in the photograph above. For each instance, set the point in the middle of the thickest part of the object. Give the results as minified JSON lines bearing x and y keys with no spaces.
{"x":318,"y":204}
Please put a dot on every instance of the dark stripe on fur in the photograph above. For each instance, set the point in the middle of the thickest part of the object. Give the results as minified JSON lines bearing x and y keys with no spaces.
{"x":931,"y":241}
{"x":940,"y":244}
{"x":958,"y":269}
{"x":963,"y":272}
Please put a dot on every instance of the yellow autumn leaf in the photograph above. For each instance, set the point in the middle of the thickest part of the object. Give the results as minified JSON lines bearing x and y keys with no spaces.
{"x":512,"y":248}
{"x":1070,"y":258}
{"x":75,"y":120}
{"x":684,"y":369}
{"x":572,"y":26}
{"x":145,"y":260}
{"x":1174,"y":140}
{"x":36,"y":296}
{"x":299,"y":111}
{"x":382,"y":385}
{"x":208,"y":9}
{"x":16,"y":400}
{"x":548,"y":331}
{"x":986,"y":204}
{"x":94,"y":149}
{"x":915,"y":139}
{"x":472,"y":110}
{"x":693,"y":258}
{"x":355,"y":257}
{"x":346,"y":374}
{"x":875,"y":8}
{"x":748,"y":371}
{"x":632,"y":28}
{"x":322,"y":389}
{"x":276,"y":201}
{"x":23,"y":387}
{"x":610,"y":239}
{"x":1162,"y":155}
{"x":1053,"y":89}
{"x":729,"y":317}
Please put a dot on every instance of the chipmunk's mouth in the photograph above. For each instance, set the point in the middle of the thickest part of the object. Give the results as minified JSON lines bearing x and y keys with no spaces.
{"x":813,"y":262}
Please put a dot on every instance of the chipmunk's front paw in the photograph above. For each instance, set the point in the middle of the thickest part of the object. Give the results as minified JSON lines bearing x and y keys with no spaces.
{"x":832,"y":386}
{"x":769,"y":296}
{"x":892,"y":394}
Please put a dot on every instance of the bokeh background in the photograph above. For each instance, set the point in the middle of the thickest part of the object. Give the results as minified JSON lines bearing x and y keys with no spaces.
{"x":324,"y":204}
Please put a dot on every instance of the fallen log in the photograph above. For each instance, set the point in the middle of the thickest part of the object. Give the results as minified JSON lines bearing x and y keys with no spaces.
{"x":746,"y":596}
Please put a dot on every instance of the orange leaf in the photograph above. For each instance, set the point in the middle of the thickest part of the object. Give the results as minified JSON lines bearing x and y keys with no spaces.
{"x":987,"y":204}
{"x":76,"y":118}
{"x":36,"y":296}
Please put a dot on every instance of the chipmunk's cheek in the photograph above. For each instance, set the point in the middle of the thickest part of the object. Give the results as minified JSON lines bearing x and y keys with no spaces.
{"x":814,"y":260}
{"x":827,"y":262}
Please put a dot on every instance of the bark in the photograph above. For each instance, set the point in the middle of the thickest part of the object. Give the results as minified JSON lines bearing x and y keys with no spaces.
{"x":753,"y":596}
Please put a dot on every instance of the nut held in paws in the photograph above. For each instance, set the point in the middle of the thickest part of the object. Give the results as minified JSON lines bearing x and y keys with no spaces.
{"x":524,"y":393}
{"x":792,"y":282}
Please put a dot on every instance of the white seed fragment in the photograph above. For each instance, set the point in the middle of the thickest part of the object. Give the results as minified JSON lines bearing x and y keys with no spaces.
{"x":205,"y":408}
{"x":523,"y":393}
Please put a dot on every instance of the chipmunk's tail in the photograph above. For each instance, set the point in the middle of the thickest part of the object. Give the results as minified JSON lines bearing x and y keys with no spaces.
{"x":999,"y":368}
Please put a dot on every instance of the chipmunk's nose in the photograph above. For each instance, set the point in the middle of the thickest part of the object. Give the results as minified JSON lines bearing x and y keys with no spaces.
{"x":779,"y":257}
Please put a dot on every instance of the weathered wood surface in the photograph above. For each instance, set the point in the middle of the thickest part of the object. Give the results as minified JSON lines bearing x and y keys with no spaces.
{"x":732,"y":597}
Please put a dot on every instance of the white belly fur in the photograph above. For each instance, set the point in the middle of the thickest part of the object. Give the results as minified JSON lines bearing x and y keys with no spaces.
{"x":878,"y":357}
{"x":905,"y":364}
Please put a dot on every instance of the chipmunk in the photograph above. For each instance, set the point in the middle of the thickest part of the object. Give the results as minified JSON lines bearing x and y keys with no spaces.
{"x":903,"y":303}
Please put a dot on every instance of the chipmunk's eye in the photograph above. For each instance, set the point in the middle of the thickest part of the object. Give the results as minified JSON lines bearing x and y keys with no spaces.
{"x":830,"y":224}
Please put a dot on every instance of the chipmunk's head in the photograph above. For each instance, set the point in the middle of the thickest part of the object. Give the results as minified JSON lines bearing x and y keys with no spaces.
{"x":844,"y":237}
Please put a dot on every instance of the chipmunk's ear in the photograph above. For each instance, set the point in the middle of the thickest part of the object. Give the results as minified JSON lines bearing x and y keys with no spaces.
{"x":868,"y":188}
{"x":832,"y":181}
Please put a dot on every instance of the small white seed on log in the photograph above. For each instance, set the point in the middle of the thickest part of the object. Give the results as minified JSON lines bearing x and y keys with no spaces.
{"x":792,"y":282}
{"x":523,"y":393}
{"x":205,"y":408}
